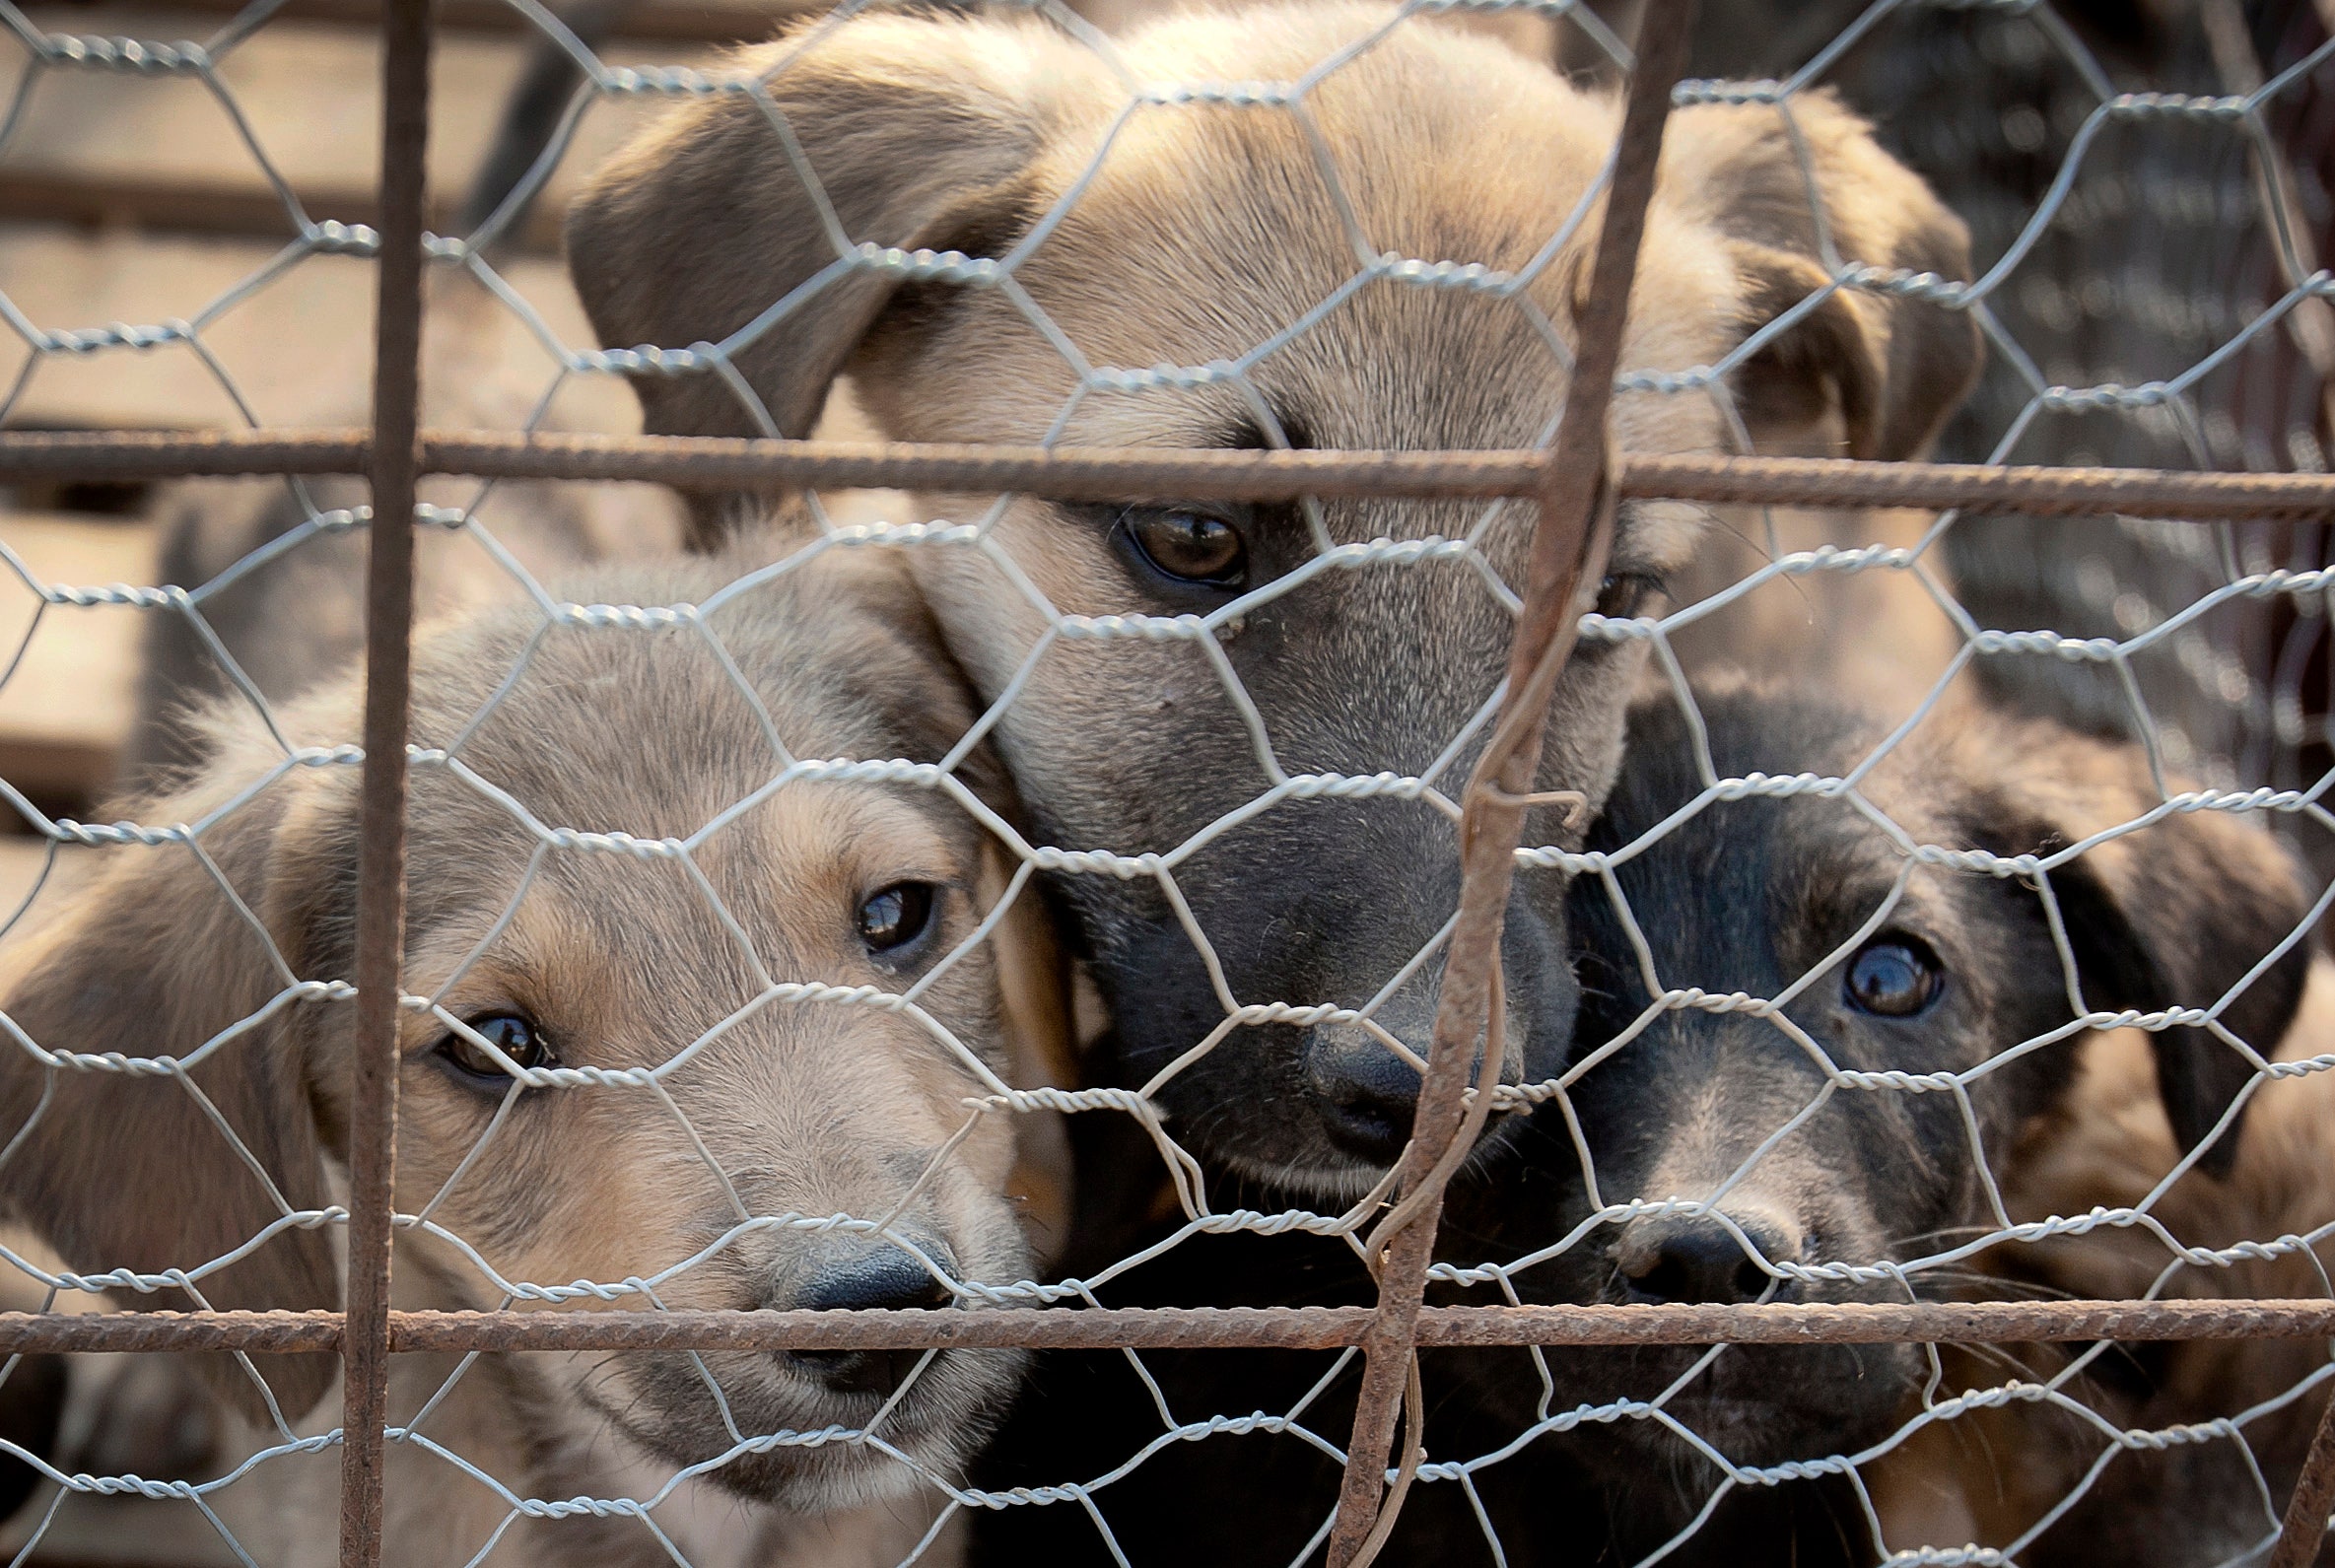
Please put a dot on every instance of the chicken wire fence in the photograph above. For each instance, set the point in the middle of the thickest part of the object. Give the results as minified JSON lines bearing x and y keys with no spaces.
{"x":1040,"y":890}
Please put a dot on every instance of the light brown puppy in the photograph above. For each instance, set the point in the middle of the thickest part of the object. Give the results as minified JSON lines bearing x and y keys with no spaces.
{"x":1991,"y":1476}
{"x":664,"y":1074}
{"x":1332,"y":228}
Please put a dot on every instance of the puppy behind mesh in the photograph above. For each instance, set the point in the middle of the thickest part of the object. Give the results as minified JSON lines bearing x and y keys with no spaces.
{"x":680,"y":1017}
{"x":1882,"y":1024}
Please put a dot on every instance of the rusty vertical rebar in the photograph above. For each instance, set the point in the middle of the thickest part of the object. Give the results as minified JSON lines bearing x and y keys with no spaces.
{"x":1570,"y":541}
{"x":381,"y":862}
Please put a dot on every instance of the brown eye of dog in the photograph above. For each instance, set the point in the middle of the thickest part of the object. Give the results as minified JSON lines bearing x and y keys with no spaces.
{"x":1895,"y":978}
{"x":1625,"y":593}
{"x":513,"y":1034}
{"x":896,"y":917}
{"x":1196,"y":547}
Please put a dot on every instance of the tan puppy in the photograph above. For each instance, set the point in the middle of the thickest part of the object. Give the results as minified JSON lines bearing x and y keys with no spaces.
{"x":1991,"y":1476}
{"x":1309,"y":226}
{"x":680,"y":1078}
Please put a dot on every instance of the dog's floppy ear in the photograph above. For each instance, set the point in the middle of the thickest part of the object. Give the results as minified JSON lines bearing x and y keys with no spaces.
{"x":2173,"y":914}
{"x":154,"y":960}
{"x":1893,"y":367}
{"x":916,"y":132}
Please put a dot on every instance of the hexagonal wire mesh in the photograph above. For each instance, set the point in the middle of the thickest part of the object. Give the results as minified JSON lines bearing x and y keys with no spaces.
{"x":965,"y":900}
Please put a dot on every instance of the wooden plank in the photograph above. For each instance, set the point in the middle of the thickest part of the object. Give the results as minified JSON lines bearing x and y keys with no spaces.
{"x":664,"y":21}
{"x":310,"y":97}
{"x":223,"y":207}
{"x":67,"y":707}
{"x":299,"y":350}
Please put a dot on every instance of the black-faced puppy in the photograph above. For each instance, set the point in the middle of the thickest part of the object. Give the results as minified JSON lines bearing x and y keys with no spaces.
{"x":1235,"y":195}
{"x":701,"y":1014}
{"x":1856,"y":1029}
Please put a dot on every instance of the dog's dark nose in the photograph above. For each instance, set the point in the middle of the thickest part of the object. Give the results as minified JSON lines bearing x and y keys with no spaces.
{"x":884,"y":1277}
{"x":1698,"y":1259}
{"x":1367,"y":1095}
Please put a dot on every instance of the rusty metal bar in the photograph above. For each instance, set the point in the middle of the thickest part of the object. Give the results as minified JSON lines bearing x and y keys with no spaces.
{"x":256,"y":1333}
{"x":1080,"y":474}
{"x":180,"y":454}
{"x":380,"y":853}
{"x":2304,"y":1530}
{"x":1570,"y":539}
{"x":1329,"y":1328}
{"x":1072,"y":474}
{"x":1183,"y":1328}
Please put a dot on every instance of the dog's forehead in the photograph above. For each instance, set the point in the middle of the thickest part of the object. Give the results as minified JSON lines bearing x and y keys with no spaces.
{"x":656,"y":731}
{"x":791,"y":862}
{"x":612,"y":751}
{"x":1205,"y":232}
{"x":1817,"y":851}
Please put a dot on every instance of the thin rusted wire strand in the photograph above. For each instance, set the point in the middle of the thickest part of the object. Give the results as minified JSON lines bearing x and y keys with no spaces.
{"x":2304,"y":1530}
{"x":1182,"y":1328}
{"x":1571,"y":537}
{"x":1080,"y":474}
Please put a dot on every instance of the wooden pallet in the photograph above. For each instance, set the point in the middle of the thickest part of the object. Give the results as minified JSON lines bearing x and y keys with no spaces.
{"x":65,"y":706}
{"x":201,"y":220}
{"x":104,"y":147}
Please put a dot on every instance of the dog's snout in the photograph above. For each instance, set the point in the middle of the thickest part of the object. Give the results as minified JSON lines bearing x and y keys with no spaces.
{"x":879,"y":1279}
{"x":888,"y":1278}
{"x":1368,"y":1094}
{"x":1701,"y":1259}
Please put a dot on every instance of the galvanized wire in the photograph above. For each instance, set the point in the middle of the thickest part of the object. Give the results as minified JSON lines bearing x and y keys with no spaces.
{"x":2231,"y":621}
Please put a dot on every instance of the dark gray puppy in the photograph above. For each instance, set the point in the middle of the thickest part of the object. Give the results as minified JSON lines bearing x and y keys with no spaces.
{"x":1795,"y":1181}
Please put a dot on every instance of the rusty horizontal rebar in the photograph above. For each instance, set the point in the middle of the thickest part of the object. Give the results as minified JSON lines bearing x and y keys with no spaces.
{"x":1199,"y":475}
{"x":180,"y":454}
{"x":259,"y":1332}
{"x":1192,"y":1327}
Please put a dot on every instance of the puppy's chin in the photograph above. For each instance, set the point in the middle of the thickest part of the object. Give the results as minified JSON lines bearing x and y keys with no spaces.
{"x":1332,"y":1182}
{"x":1331,"y":1179}
{"x":1764,"y":1405}
{"x":808,"y":1448}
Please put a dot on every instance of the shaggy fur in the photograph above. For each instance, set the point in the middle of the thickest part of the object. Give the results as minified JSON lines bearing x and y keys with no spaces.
{"x":1992,"y":1475}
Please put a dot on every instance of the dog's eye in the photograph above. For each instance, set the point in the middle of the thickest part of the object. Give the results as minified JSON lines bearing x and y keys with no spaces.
{"x":1626,"y":594}
{"x":513,"y":1034}
{"x":897,"y":917}
{"x":1896,"y":977}
{"x":1190,"y":546}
